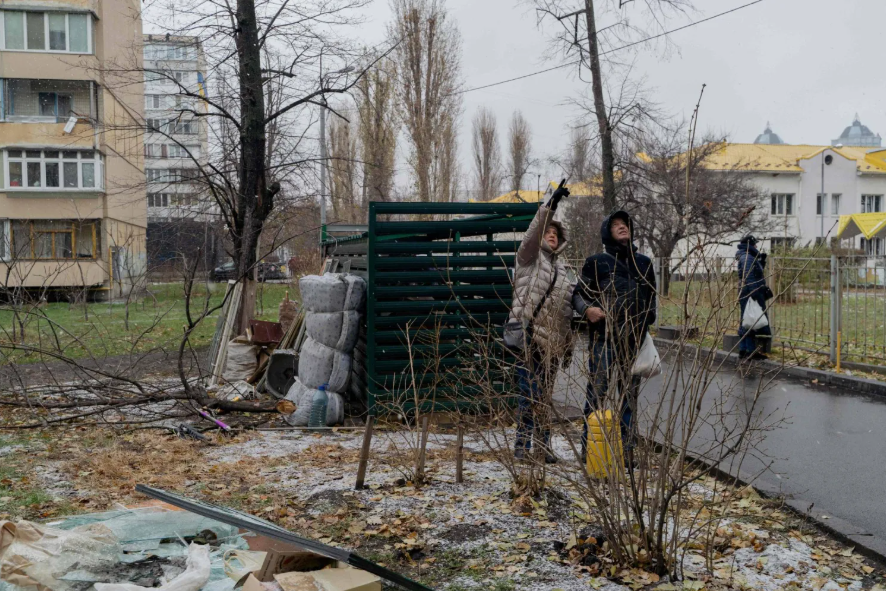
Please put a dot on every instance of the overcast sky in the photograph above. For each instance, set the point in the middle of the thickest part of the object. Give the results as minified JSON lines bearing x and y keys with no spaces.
{"x":805,"y":65}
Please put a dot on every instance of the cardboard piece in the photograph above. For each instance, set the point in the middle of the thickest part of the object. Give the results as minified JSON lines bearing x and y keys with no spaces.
{"x":282,"y":561}
{"x":330,"y":579}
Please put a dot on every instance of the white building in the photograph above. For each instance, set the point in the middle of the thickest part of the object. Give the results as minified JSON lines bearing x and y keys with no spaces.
{"x":853,"y":171}
{"x":175,"y":136}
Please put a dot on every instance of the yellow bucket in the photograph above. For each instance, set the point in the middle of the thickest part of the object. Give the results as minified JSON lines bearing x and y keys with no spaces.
{"x":604,"y":444}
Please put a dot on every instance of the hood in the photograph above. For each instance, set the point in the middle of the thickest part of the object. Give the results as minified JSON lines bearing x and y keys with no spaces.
{"x":561,"y":234}
{"x":748,"y":244}
{"x":609,"y":243}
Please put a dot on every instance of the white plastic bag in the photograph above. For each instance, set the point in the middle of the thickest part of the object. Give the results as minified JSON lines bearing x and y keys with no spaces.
{"x":648,"y":363}
{"x":301,"y":397}
{"x":754,"y":318}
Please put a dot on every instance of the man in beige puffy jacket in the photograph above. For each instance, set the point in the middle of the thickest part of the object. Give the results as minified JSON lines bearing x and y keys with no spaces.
{"x":542,"y":300}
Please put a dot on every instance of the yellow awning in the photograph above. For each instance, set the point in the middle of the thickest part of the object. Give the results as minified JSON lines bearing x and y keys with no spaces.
{"x":867,"y":224}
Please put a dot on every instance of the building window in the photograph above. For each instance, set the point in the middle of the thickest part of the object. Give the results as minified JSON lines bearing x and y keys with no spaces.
{"x":157,"y":124}
{"x":53,"y":104}
{"x":871,"y":203}
{"x":835,"y":204}
{"x":782,"y":204}
{"x":54,"y":170}
{"x":54,"y":239}
{"x":183,"y":127}
{"x":154,"y":101}
{"x":47,"y":31}
{"x":158,"y":199}
{"x":169,"y":52}
{"x":872,"y":247}
{"x":781,"y":243}
{"x":4,"y":240}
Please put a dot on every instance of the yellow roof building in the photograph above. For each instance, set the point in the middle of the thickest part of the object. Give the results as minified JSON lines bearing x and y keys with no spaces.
{"x":786,"y":157}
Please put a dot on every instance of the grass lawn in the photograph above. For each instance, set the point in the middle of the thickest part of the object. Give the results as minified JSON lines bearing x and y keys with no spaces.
{"x":100,"y":329}
{"x":803,"y":320}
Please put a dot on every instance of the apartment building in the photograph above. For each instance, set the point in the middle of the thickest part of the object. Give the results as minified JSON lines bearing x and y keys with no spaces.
{"x":72,"y":171}
{"x":180,"y":215}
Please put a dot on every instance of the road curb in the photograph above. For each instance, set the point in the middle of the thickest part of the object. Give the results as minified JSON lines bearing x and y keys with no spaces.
{"x":866,"y":544}
{"x":857,"y":385}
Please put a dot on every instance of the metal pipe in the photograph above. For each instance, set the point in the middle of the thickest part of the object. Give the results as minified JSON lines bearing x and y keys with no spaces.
{"x":322,"y":174}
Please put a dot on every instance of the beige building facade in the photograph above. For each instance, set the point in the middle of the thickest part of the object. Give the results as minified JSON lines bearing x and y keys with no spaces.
{"x":72,"y":208}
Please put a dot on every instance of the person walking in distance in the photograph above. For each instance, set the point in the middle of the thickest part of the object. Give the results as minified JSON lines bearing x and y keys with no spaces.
{"x":543,"y":304}
{"x":616,"y":294}
{"x":751,"y":286}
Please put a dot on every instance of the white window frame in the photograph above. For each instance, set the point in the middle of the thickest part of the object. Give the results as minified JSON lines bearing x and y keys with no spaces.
{"x":872,"y":247}
{"x":5,"y":243}
{"x":98,"y":171}
{"x":90,"y":25}
{"x":781,"y":201}
{"x":868,"y":207}
{"x":835,"y":203}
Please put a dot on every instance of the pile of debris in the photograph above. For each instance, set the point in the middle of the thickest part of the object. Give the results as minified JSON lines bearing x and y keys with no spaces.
{"x":177,"y":545}
{"x":305,"y":360}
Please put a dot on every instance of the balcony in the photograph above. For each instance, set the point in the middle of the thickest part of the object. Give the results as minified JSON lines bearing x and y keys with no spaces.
{"x":48,"y":101}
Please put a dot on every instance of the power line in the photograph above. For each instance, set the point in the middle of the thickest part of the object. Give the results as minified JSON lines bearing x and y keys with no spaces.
{"x":570,"y":64}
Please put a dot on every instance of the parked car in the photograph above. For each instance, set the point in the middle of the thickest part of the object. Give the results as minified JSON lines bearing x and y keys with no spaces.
{"x":266,"y":272}
{"x":225,"y":272}
{"x":271,"y":271}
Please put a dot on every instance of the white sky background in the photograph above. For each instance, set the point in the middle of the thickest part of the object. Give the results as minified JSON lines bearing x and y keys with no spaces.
{"x":805,"y":65}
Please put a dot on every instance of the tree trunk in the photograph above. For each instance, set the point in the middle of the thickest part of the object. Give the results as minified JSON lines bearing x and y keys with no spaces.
{"x":254,"y":201}
{"x":607,"y":156}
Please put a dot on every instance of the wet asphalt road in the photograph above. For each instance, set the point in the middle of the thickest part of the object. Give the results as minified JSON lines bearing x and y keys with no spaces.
{"x":829,"y":450}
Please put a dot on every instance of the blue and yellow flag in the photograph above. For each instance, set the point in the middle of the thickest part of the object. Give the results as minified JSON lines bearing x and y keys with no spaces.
{"x":201,"y":86}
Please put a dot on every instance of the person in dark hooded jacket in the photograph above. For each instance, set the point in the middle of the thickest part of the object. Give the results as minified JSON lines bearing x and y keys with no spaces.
{"x":751,"y":284}
{"x":616,"y":294}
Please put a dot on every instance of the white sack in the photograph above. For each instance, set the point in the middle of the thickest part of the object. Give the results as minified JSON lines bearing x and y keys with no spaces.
{"x":195,"y":576}
{"x":754,"y":318}
{"x":319,"y":364}
{"x":648,"y":363}
{"x":337,"y":330}
{"x":335,"y":409}
{"x":299,"y":395}
{"x":332,"y":292}
{"x":240,"y":362}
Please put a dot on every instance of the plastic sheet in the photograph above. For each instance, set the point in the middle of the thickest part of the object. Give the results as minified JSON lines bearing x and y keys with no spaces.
{"x":33,"y":555}
{"x":152,"y":523}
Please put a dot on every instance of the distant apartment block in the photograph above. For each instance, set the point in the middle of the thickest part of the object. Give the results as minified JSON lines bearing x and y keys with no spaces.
{"x":70,"y":142}
{"x":175,"y":137}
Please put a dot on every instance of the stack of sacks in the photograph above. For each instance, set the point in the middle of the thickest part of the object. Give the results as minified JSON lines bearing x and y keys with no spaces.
{"x":332,"y":322}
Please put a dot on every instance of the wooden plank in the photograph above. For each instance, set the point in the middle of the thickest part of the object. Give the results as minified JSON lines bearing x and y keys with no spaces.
{"x":364,"y":453}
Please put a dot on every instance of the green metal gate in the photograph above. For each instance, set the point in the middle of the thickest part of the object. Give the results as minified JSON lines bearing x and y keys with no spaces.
{"x":434,"y":287}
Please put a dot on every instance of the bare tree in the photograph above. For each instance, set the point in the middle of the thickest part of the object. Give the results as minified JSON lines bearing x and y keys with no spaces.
{"x":346,"y":207}
{"x":486,"y":154}
{"x":580,"y":158}
{"x":428,"y":56}
{"x":378,"y":130}
{"x":519,"y":159}
{"x":717,"y":205}
{"x":615,"y":105}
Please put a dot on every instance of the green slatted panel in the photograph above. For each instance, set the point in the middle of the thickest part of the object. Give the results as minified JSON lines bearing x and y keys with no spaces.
{"x":447,"y":281}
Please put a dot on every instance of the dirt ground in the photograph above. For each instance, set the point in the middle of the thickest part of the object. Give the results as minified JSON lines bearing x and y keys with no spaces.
{"x":450,"y":536}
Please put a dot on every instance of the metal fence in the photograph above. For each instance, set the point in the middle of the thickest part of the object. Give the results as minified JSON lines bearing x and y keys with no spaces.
{"x":818,"y":303}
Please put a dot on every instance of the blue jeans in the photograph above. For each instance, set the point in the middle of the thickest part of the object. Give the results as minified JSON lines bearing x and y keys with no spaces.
{"x":604,"y":366}
{"x":532,"y":381}
{"x":748,"y":342}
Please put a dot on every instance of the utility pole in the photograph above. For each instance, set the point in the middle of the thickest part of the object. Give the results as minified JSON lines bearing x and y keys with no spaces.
{"x":322,"y":174}
{"x":821,"y":197}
